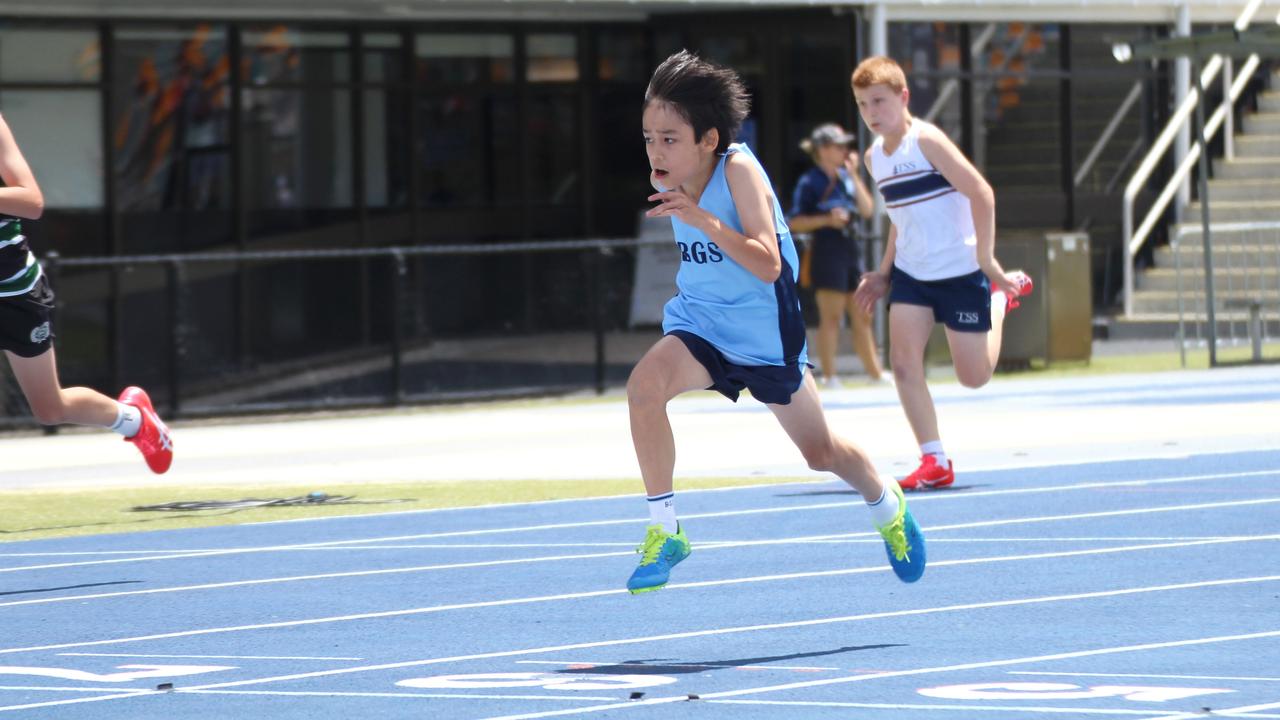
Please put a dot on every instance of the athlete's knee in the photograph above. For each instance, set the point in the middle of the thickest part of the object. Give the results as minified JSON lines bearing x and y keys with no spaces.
{"x":645,"y":389}
{"x":973,"y":378}
{"x":820,"y":456}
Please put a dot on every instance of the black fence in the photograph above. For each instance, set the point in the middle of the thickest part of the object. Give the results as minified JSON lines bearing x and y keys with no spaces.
{"x":276,"y":331}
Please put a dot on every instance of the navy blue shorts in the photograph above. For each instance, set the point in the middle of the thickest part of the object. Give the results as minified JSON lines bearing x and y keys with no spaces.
{"x":773,"y":384}
{"x":961,"y":303}
{"x":836,"y":263}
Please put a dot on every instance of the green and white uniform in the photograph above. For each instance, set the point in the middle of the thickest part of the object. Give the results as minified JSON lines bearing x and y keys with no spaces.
{"x":26,"y":300}
{"x":19,"y":269}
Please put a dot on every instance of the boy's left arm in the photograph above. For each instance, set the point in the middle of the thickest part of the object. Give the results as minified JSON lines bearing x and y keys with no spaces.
{"x":965,"y":178}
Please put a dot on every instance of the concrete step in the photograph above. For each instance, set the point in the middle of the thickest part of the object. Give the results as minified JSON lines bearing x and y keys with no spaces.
{"x":1248,"y":167}
{"x":1231,"y":281}
{"x":1148,"y":326}
{"x":1193,"y":232}
{"x":1166,"y":301}
{"x":1225,"y":255}
{"x":1260,"y":123}
{"x":1235,"y":210}
{"x":1269,"y":101}
{"x":1257,"y":145}
{"x":1242,"y":189}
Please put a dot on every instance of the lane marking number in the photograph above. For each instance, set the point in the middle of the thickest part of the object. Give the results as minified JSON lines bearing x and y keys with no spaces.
{"x":1033,"y":691}
{"x":136,"y":672}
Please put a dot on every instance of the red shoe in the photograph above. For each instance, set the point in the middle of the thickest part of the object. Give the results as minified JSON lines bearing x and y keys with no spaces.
{"x":1024,"y":284}
{"x":928,"y":475}
{"x":152,"y":439}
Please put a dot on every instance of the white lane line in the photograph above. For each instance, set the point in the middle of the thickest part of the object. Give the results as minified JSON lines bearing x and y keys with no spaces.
{"x":588,"y":664}
{"x":1243,"y":678}
{"x":927,"y":497}
{"x":701,"y":546}
{"x":747,"y":629}
{"x":803,"y":685}
{"x":602,"y":593}
{"x":94,"y":553}
{"x":209,"y":657}
{"x":54,"y":688}
{"x":1244,"y":711}
{"x":75,"y":701}
{"x":453,"y":696}
{"x":764,"y":627}
{"x":538,"y":545}
{"x":962,"y":708}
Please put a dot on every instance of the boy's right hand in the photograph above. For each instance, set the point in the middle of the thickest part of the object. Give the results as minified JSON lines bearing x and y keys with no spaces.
{"x":839,"y":218}
{"x":871,"y":287}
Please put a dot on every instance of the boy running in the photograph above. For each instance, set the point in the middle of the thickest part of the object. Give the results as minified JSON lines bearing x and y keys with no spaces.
{"x":26,"y":302}
{"x":939,"y":264}
{"x":735,"y":322}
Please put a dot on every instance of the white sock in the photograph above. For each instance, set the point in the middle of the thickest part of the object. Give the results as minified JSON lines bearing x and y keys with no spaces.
{"x":128,"y":420}
{"x":662,"y":511}
{"x":999,"y":299}
{"x":934,"y":448}
{"x":885,"y":508}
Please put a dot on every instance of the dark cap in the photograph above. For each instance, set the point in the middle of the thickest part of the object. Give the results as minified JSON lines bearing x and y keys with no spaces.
{"x":831,"y":134}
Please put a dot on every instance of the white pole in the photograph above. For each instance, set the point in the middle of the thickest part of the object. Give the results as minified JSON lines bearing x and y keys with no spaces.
{"x":1181,"y":88}
{"x":1229,"y":124}
{"x":879,"y":29}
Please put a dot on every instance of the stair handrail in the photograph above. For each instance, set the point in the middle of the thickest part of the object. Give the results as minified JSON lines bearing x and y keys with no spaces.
{"x":949,"y":87}
{"x":1132,"y":241}
{"x":1113,"y":125}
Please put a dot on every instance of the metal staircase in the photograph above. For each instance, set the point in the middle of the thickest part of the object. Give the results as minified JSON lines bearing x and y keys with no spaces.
{"x":1244,"y":212}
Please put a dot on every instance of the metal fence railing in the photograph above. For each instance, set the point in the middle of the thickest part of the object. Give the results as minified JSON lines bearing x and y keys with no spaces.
{"x":1234,"y":287}
{"x":282,"y":330}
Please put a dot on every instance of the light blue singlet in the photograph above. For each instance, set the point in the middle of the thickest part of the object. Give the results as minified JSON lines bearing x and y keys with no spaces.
{"x":749,"y":321}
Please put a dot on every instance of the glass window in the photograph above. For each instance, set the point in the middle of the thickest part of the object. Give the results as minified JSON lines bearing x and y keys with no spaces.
{"x":60,"y":134}
{"x":552,"y":58}
{"x":386,"y":165}
{"x":170,"y":131}
{"x":297,"y":146}
{"x":464,"y":58}
{"x":553,"y":150}
{"x":382,"y":58}
{"x":283,"y":55}
{"x":49,"y":55}
{"x":621,"y":56}
{"x":468,"y":151}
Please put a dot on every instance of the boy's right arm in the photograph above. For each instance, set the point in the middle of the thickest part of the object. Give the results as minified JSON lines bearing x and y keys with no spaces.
{"x":21,"y":195}
{"x":874,"y":284}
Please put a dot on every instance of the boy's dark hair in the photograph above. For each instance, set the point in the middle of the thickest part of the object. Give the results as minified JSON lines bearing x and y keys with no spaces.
{"x":706,"y":95}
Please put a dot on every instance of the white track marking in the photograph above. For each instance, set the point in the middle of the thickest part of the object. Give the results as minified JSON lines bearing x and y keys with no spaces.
{"x":703,"y":547}
{"x":209,"y":657}
{"x":905,"y":706}
{"x":100,"y":698}
{"x":904,"y":673}
{"x":746,"y":629}
{"x":588,"y":664}
{"x":1147,"y":675}
{"x":926,"y":497}
{"x":753,"y":628}
{"x":1244,"y":711}
{"x":453,"y":696}
{"x":54,"y":688}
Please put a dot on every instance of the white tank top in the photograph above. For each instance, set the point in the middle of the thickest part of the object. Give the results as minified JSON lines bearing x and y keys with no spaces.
{"x":934,"y":222}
